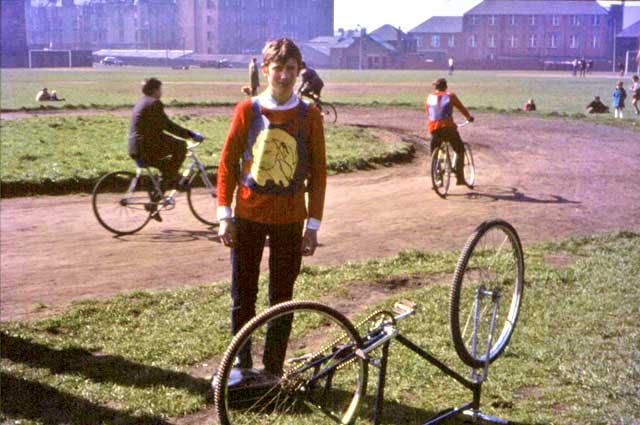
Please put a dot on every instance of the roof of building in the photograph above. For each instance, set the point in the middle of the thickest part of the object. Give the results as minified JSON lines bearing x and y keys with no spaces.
{"x":388,"y":33}
{"x":632,"y":30}
{"x":537,"y":7}
{"x":324,"y":44}
{"x":440,"y":24}
{"x":148,"y":54}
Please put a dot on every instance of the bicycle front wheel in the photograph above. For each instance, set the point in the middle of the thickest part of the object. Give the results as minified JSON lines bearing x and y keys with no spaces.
{"x":329,"y":112}
{"x":486,"y":293}
{"x":202,"y":196}
{"x":469,"y":167}
{"x":440,"y":172}
{"x":121,"y":202}
{"x":299,"y":367}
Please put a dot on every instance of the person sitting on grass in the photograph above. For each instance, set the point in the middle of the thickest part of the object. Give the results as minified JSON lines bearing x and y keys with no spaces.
{"x":529,"y":106}
{"x":597,"y":107}
{"x":45,"y":96}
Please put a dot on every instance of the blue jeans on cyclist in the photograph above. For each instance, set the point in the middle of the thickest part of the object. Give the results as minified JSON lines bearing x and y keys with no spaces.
{"x":452,"y":136}
{"x":285,"y":258}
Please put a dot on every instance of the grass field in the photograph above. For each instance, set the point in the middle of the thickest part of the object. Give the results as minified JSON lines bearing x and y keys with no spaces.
{"x":498,"y":90}
{"x":574,"y":357}
{"x":68,"y":152}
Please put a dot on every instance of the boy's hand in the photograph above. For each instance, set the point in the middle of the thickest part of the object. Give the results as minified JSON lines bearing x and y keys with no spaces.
{"x":309,"y":242}
{"x":471,"y":119}
{"x":227,"y":232}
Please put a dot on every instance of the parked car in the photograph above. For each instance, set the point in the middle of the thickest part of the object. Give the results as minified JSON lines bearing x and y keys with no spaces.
{"x":111,"y":60}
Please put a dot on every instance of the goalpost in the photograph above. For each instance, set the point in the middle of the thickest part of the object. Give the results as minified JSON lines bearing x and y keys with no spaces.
{"x":632,"y":62}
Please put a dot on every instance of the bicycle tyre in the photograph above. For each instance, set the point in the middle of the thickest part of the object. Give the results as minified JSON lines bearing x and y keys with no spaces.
{"x":120,"y":208}
{"x":329,"y":112}
{"x":315,"y":368}
{"x":469,"y":167}
{"x":202,"y":203}
{"x":492,"y":257}
{"x":440,"y":172}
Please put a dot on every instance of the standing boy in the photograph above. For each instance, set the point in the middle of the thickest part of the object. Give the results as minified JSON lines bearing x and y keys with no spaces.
{"x":439,"y":106}
{"x":635,"y":93}
{"x":619,"y":95}
{"x":275,"y":143}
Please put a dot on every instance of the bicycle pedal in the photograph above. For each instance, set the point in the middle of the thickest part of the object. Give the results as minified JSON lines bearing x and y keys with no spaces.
{"x":405,"y":307}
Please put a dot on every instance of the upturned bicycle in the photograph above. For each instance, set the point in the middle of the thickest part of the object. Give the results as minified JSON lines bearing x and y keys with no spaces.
{"x":322,"y":373}
{"x":124,"y":201}
{"x":443,"y":163}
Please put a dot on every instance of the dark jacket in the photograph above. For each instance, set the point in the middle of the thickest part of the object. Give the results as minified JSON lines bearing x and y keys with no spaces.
{"x":148,"y":123}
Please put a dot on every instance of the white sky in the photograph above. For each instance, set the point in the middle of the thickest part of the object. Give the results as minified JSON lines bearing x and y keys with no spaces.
{"x":407,"y":14}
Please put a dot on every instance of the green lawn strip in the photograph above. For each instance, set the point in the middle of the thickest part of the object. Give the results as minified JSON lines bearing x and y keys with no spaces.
{"x":68,"y":154}
{"x":557,"y":92}
{"x":573,"y":359}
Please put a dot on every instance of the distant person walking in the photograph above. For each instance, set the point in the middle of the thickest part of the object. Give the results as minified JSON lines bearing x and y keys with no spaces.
{"x":583,"y":67}
{"x":254,"y":76}
{"x":619,"y":95}
{"x":450,"y":65}
{"x":635,"y":94}
{"x":574,"y":65}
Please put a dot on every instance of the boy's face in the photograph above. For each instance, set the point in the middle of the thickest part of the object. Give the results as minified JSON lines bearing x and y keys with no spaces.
{"x":281,"y":77}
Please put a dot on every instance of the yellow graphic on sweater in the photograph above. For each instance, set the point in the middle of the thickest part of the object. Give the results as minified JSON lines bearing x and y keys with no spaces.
{"x":275,"y":157}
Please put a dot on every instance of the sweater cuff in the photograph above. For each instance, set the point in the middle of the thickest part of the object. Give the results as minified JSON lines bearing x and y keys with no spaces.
{"x":224,"y":212}
{"x":313,"y":223}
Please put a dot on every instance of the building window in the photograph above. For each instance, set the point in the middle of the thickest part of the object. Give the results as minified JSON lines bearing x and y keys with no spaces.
{"x":512,"y":19}
{"x":533,"y":40}
{"x":513,"y":42}
{"x":209,"y":19}
{"x":452,"y":41}
{"x":473,"y":42}
{"x":492,"y":20}
{"x":555,"y":20}
{"x":573,"y":41}
{"x":532,"y":20}
{"x":594,"y":42}
{"x":435,"y":40}
{"x":595,"y":20}
{"x":575,"y":20}
{"x":210,"y":4}
{"x":553,"y":41}
{"x":473,"y":20}
{"x":262,"y":4}
{"x":209,"y":35}
{"x":492,"y":41}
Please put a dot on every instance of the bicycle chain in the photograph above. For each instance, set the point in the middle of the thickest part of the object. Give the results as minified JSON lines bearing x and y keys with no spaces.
{"x":342,"y":338}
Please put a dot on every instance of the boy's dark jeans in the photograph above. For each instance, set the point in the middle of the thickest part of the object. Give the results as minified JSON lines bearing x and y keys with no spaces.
{"x":452,"y":136}
{"x":285,"y":258}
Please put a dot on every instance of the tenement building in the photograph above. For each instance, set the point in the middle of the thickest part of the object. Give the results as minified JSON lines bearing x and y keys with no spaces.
{"x":521,"y":33}
{"x":243,"y":26}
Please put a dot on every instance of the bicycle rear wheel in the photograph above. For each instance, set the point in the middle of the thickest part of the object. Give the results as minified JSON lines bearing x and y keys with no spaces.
{"x":122,"y":202}
{"x":329,"y":112}
{"x":469,"y":167}
{"x":317,"y":380}
{"x":440,"y":171}
{"x":489,"y":275}
{"x":202,"y":197}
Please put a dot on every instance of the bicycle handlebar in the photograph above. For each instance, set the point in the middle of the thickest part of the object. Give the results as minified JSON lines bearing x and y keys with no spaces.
{"x":196,"y":144}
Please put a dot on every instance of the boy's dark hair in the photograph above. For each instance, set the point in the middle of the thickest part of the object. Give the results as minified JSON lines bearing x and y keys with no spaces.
{"x":440,"y":84}
{"x":151,"y":85}
{"x":280,"y":50}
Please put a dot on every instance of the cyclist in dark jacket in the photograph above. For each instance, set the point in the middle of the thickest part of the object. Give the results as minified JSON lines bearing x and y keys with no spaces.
{"x":312,"y":84}
{"x":148,"y":141}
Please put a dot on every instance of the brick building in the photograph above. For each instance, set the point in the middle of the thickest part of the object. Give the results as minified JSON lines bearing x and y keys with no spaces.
{"x":243,"y":26}
{"x":96,"y":24}
{"x":521,"y":33}
{"x":13,"y":41}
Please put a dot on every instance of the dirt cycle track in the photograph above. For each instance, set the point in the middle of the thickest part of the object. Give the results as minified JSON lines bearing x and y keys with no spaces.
{"x":550,"y":178}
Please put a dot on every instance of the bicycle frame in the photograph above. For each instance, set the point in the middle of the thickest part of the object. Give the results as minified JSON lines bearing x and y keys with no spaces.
{"x":382,"y":335}
{"x":189,"y":173}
